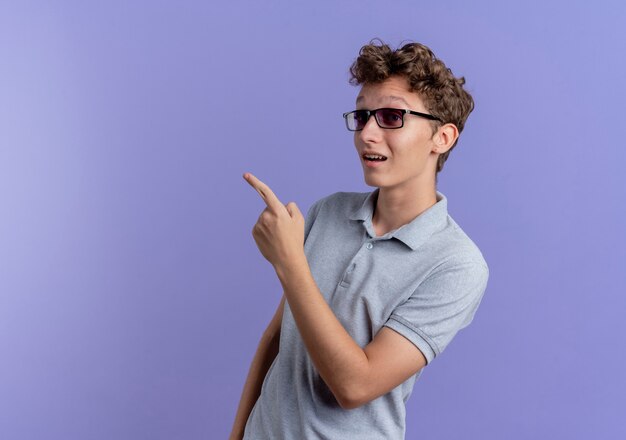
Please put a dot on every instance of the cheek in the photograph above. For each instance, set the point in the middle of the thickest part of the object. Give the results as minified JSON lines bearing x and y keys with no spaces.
{"x":405,"y":146}
{"x":410,"y":151}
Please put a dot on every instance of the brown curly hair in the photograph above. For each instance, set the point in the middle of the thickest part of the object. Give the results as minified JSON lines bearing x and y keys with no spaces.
{"x":441,"y":92}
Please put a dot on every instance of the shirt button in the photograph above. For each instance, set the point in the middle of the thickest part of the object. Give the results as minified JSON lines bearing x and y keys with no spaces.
{"x":369,"y":245}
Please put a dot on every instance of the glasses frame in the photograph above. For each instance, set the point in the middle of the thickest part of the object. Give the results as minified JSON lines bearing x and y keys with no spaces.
{"x":404,"y":111}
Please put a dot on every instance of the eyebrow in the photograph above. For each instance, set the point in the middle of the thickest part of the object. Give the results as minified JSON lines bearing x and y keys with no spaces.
{"x":392,"y":97}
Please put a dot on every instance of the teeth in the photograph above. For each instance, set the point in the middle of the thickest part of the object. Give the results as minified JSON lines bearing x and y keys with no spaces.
{"x":369,"y":156}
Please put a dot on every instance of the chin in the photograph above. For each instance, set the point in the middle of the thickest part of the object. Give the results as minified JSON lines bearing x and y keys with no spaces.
{"x":374,"y":182}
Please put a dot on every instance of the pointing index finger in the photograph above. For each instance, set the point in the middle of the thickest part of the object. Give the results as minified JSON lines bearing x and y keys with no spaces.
{"x":265,"y":192}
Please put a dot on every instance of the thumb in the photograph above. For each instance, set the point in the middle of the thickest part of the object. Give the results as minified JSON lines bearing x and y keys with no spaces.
{"x":293,"y":209}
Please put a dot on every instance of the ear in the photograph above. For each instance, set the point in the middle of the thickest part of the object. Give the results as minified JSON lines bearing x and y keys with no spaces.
{"x":445,"y":137}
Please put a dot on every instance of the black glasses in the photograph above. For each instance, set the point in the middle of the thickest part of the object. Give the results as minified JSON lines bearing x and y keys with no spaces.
{"x":385,"y":118}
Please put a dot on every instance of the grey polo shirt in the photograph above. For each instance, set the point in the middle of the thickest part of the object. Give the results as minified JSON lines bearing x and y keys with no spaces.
{"x":424,"y":280}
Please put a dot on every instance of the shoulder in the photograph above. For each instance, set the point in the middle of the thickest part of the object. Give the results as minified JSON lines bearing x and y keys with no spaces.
{"x":455,"y":249}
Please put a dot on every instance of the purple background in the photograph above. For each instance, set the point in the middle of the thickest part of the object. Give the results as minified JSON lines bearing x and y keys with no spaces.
{"x":132,"y":294}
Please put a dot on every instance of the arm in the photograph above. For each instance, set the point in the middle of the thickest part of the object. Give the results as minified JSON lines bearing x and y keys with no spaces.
{"x":441,"y":306}
{"x":355,"y":375}
{"x":265,"y":354}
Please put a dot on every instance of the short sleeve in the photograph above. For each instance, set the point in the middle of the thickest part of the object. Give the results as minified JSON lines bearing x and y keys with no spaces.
{"x":444,"y":303}
{"x":310,"y":217}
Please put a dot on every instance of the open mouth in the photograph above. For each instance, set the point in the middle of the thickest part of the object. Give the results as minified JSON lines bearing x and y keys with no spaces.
{"x":374,"y":158}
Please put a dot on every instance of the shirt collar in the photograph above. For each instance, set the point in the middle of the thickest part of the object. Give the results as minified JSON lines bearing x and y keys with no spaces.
{"x":414,"y":233}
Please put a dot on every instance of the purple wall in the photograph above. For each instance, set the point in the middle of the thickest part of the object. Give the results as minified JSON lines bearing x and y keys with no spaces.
{"x":132,"y":294}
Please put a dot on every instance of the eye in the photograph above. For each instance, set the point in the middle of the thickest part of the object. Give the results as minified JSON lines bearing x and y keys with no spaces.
{"x":360,"y":116}
{"x":391,"y":117}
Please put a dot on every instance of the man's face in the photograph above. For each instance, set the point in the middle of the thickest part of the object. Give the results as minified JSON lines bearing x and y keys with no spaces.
{"x":411,"y":160}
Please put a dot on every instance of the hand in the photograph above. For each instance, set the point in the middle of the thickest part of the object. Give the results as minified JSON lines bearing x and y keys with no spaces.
{"x":279,"y":231}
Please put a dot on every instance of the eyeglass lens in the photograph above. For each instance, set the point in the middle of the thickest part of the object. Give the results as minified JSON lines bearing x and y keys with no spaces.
{"x":385,"y":117}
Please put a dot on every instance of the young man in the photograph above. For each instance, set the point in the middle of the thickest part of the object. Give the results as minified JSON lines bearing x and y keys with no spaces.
{"x":376,"y":284}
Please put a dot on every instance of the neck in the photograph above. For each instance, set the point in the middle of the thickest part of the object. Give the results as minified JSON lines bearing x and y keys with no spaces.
{"x":397,"y":206}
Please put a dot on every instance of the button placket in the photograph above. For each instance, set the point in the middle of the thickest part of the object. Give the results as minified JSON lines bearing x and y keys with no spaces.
{"x":347,"y":275}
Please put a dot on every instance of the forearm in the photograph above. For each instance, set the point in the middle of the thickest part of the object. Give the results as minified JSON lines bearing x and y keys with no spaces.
{"x":265,"y":354}
{"x":340,"y":361}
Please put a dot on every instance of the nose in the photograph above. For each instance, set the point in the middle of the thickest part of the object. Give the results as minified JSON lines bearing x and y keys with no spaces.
{"x":371,"y":132}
